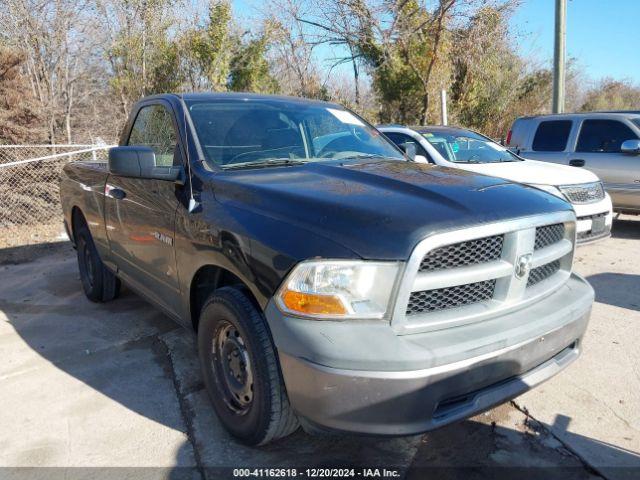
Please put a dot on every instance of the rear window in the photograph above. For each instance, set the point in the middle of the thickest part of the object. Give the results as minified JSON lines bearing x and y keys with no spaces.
{"x":552,"y":136}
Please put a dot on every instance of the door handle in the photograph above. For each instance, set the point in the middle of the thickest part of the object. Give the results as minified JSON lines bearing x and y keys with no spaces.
{"x":577,"y":162}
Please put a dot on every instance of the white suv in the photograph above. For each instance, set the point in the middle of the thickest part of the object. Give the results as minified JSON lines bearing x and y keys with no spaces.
{"x":464,"y":149}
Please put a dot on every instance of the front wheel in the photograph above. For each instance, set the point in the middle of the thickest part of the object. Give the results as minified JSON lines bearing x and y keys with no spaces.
{"x":241,"y":371}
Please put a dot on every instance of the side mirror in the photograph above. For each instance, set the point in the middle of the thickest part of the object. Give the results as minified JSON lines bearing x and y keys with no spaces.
{"x":409,"y":148}
{"x":140,"y":162}
{"x":631,"y":147}
{"x":420,"y":159}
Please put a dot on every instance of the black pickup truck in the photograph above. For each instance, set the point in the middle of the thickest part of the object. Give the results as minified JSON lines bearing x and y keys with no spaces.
{"x":332,"y":283}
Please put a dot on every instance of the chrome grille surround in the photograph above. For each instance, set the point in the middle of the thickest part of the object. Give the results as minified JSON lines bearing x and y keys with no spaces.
{"x":583,"y":193}
{"x":443,"y":298}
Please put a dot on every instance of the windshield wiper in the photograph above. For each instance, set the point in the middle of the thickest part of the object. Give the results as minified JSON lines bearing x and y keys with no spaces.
{"x":364,"y":155}
{"x":271,"y":162}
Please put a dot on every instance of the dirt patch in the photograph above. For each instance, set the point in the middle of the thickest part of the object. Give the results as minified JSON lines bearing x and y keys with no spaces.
{"x":15,"y":236}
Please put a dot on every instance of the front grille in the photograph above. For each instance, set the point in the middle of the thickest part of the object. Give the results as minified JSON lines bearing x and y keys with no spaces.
{"x":463,"y":254}
{"x":458,"y":277}
{"x":586,"y":193}
{"x":450,"y":297}
{"x":548,"y":235}
{"x":543,"y":272}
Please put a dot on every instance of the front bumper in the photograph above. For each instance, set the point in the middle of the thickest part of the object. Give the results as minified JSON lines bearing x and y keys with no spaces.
{"x":588,"y":215}
{"x":346,"y":376}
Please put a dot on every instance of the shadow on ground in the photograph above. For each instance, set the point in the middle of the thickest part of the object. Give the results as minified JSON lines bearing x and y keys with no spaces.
{"x":137,"y":357}
{"x":627,"y":227}
{"x":617,"y":289}
{"x":525,"y":452}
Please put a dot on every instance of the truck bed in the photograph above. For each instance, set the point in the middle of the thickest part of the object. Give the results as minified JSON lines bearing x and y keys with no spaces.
{"x":82,"y":185}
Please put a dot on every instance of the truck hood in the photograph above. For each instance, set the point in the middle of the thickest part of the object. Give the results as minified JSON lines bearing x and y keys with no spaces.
{"x":533,"y":172}
{"x":379,"y":209}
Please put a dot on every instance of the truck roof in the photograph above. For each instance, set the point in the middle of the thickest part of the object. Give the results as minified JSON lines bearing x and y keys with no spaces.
{"x":240,"y":96}
{"x":603,"y":113}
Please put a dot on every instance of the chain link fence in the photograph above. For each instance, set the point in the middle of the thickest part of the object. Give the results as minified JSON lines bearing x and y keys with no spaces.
{"x":30,"y":209}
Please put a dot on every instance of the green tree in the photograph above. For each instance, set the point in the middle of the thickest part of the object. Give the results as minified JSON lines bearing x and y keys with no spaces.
{"x":486,"y":71}
{"x":249,"y":68}
{"x":408,"y":59}
{"x":141,"y":53}
{"x":207,"y":50}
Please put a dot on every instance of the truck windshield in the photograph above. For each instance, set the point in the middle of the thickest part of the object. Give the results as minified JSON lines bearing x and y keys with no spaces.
{"x":234,"y":134}
{"x":464,"y":146}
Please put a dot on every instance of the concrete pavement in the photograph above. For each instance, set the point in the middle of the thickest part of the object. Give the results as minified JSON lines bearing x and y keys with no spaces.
{"x":117,"y":385}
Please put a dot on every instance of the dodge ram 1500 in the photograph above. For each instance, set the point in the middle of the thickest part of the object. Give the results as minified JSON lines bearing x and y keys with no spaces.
{"x":332,"y":283}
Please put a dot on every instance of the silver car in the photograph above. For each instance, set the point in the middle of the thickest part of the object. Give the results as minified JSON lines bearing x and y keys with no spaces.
{"x":607,"y":143}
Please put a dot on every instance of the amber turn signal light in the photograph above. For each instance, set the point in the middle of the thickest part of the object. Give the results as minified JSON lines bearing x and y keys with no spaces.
{"x":312,"y":304}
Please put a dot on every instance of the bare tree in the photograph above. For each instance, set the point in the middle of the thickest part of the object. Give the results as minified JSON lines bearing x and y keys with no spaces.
{"x":292,"y":52}
{"x":54,"y":36}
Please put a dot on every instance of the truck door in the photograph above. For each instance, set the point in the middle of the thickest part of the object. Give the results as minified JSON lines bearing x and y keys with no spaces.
{"x":598,"y":149}
{"x":140,"y":213}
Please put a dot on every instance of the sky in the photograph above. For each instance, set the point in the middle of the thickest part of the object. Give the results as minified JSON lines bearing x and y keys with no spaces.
{"x":602,"y":35}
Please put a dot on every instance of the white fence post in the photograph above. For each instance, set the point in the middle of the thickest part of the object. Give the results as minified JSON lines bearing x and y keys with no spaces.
{"x":443,"y":106}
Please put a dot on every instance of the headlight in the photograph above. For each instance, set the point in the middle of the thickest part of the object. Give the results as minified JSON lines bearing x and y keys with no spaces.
{"x":338,"y":289}
{"x":549,"y":189}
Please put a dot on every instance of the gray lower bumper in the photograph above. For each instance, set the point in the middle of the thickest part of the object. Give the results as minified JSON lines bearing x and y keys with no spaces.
{"x":401,"y":402}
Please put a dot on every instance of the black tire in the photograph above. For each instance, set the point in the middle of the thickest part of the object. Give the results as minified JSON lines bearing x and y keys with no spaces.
{"x":98,"y":283}
{"x":229,"y":324}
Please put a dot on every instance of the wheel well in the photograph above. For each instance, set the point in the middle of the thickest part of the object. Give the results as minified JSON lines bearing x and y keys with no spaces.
{"x":77,"y":219}
{"x":207,"y":279}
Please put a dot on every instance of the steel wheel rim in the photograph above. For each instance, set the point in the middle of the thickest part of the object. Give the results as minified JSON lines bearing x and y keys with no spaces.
{"x":232,"y":368}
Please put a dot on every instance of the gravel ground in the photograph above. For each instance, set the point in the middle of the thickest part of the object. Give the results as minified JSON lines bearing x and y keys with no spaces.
{"x":85,"y":388}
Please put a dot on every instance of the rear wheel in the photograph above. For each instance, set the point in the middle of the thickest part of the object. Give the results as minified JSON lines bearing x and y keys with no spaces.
{"x":241,"y":371}
{"x":98,"y":283}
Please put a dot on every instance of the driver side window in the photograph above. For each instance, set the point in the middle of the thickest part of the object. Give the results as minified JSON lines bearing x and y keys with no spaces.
{"x":153,"y":127}
{"x":603,"y":136}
